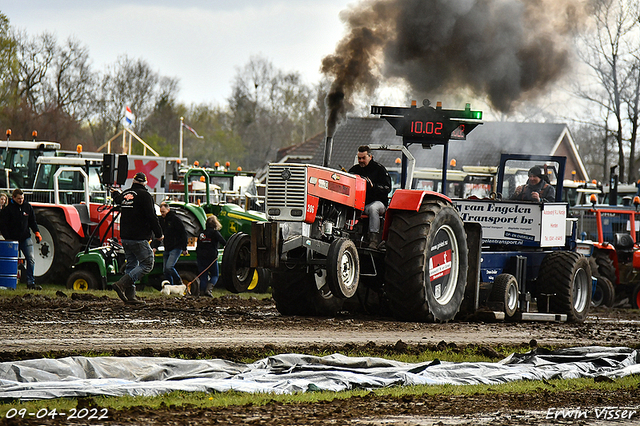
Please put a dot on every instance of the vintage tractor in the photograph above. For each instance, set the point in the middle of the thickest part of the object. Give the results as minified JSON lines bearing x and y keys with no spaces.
{"x":506,"y":258}
{"x":609,"y":236}
{"x":102,"y":261}
{"x":206,"y":195}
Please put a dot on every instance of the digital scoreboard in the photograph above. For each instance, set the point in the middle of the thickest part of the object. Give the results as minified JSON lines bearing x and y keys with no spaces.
{"x":428,"y":125}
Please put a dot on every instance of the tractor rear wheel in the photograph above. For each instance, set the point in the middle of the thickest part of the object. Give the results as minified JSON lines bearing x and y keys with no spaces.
{"x":237,"y":274}
{"x":189,"y":220}
{"x":296,"y":292}
{"x":605,"y":293}
{"x":602,"y":265}
{"x":567,"y":277}
{"x":57,"y":251}
{"x":505,"y":291}
{"x":426,"y":262}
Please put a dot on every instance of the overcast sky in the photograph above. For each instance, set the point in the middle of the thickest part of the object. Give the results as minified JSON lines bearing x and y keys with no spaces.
{"x":200,"y":42}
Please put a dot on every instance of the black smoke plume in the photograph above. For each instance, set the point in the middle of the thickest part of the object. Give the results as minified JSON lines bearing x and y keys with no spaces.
{"x":505,"y":50}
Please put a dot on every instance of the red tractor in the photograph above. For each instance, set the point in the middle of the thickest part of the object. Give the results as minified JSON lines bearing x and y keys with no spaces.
{"x":431,"y":264}
{"x":609,"y":238}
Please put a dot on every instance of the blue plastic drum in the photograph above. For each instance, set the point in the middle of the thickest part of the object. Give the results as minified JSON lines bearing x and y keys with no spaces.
{"x":9,"y":264}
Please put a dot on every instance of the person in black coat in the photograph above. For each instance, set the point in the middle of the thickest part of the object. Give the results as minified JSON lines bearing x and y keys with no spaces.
{"x":207,"y":251}
{"x":537,"y":189}
{"x":378,"y":188}
{"x":16,"y":219}
{"x":175,"y":243}
{"x":138,"y":223}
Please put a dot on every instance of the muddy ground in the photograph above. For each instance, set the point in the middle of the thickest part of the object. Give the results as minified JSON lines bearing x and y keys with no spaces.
{"x":236,"y":329}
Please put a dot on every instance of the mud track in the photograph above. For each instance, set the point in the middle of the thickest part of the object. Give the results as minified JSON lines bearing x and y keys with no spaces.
{"x":238,"y":329}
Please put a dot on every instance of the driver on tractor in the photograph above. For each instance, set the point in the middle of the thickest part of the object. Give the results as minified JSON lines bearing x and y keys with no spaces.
{"x":537,"y":188}
{"x":378,"y":188}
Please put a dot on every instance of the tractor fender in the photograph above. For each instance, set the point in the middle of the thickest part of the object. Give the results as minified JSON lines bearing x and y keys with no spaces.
{"x":407,"y":199}
{"x":71,"y":215}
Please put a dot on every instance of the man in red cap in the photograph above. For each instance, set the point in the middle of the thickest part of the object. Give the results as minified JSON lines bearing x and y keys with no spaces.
{"x":138,"y":221}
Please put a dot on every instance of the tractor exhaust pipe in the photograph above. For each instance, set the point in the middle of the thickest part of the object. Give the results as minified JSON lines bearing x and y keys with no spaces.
{"x":328,"y":145}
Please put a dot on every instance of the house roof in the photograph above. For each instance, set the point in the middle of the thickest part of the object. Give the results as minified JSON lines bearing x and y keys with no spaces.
{"x":483,"y":146}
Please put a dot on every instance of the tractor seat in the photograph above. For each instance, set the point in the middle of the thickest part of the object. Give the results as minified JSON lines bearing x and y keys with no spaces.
{"x":623,"y":242}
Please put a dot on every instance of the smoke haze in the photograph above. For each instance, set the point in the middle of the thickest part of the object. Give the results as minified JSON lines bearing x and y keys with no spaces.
{"x":506,"y":51}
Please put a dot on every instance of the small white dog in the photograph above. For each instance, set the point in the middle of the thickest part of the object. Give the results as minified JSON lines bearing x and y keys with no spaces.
{"x":173,"y":289}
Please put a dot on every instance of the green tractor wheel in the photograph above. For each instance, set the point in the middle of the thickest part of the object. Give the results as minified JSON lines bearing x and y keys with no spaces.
{"x":82,"y":281}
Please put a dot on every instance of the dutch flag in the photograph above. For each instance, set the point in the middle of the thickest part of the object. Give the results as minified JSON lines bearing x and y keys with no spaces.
{"x":128,"y":117}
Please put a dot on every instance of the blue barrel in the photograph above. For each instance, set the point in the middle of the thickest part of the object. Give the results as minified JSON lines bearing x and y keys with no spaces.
{"x":9,"y":264}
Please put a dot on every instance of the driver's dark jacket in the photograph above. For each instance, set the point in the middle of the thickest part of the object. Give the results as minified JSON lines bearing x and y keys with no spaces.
{"x":380,"y":178}
{"x":138,"y":220}
{"x":546,"y":192}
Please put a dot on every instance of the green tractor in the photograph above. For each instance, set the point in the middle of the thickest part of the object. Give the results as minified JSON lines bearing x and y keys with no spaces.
{"x":235,"y":220}
{"x":99,"y":267}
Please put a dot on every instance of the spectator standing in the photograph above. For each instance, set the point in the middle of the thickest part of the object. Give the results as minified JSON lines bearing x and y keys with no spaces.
{"x":138,"y":223}
{"x":16,"y":219}
{"x":4,"y":200}
{"x":175,"y":243}
{"x":207,"y":255}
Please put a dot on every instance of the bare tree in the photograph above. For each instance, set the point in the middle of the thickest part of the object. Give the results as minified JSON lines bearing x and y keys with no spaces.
{"x":131,"y":83}
{"x":632,"y":99}
{"x":35,"y":57}
{"x":607,"y":53}
{"x":72,"y":83}
{"x":8,"y":60}
{"x":271,"y":109}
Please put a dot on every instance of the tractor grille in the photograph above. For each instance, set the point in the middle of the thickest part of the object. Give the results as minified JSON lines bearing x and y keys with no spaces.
{"x":286,"y":187}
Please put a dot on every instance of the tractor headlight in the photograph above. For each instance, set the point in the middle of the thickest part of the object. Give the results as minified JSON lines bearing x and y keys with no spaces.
{"x":290,"y":230}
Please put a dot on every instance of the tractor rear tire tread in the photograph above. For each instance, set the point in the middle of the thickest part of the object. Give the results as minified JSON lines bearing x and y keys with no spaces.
{"x":407,"y":271}
{"x":556,"y":276}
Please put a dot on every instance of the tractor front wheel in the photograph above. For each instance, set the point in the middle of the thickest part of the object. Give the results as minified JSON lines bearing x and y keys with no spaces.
{"x":343,"y":268}
{"x":237,"y":274}
{"x":82,"y":280}
{"x":605,"y":293}
{"x":505,"y":291}
{"x":635,"y":297}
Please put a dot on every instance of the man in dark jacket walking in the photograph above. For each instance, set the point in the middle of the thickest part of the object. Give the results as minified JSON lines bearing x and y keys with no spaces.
{"x":15,"y":221}
{"x":378,"y":188}
{"x":138,"y":221}
{"x":175,"y":243}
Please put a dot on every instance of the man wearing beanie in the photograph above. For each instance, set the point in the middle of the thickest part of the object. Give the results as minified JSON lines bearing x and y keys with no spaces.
{"x":138,"y":221}
{"x":536,"y":189}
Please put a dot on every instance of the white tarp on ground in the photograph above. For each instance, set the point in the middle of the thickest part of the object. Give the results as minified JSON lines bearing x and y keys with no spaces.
{"x":116,"y":376}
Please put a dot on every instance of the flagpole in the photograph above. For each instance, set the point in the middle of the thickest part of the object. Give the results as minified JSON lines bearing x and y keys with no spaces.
{"x":181,"y":135}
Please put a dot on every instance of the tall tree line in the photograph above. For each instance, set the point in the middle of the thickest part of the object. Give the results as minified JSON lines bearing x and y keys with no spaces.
{"x":53,"y":88}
